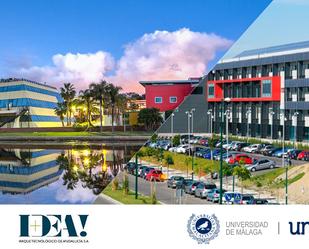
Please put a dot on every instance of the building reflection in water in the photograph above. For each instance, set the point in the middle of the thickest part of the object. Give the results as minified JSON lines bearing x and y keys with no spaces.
{"x":58,"y":175}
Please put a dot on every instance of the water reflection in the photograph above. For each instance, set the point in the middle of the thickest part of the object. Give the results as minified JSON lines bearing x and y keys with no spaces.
{"x":59,"y":175}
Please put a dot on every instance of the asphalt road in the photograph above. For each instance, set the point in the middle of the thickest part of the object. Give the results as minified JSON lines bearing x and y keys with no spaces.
{"x":163,"y":193}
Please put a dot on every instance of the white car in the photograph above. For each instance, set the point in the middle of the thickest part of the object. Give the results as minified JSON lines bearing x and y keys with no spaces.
{"x":251,"y":148}
{"x":182,"y":148}
{"x":227,"y":146}
{"x":172,"y":149}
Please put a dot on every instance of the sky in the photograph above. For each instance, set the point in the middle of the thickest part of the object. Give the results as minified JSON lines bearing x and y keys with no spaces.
{"x":282,"y":22}
{"x":84,"y":41}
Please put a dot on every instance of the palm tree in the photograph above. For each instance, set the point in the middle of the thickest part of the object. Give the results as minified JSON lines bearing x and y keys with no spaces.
{"x":98,"y":92}
{"x":113,"y":95}
{"x":87,"y":100}
{"x":61,"y":111}
{"x":68,"y":94}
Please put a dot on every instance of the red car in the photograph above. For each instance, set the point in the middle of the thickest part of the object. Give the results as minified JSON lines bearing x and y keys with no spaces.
{"x":240,"y":157}
{"x":304,"y":155}
{"x":154,"y":175}
{"x":203,"y":141}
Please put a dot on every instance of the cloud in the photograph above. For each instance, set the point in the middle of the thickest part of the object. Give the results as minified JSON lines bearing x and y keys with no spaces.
{"x":80,"y":69}
{"x":154,"y":56}
{"x":167,"y":55}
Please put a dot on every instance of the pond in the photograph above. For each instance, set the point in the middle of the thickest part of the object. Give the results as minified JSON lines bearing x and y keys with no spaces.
{"x":59,"y":174}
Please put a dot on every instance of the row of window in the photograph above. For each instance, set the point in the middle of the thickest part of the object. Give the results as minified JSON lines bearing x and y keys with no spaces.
{"x":172,"y":100}
{"x":292,"y":70}
{"x":243,"y":90}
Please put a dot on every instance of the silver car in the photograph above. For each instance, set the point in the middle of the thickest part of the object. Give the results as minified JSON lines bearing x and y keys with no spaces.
{"x":202,"y":189}
{"x":261,"y":164}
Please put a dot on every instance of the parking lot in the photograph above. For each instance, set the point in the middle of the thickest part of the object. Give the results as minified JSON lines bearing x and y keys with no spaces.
{"x":257,"y":158}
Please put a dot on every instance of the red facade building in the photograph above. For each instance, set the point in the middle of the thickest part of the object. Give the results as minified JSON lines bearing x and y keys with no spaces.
{"x":167,"y":95}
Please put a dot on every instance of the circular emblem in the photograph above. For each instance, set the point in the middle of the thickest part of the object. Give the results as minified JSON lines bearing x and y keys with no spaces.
{"x":203,"y":228}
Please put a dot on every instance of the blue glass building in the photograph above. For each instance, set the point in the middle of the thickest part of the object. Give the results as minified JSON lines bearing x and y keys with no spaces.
{"x":25,"y":103}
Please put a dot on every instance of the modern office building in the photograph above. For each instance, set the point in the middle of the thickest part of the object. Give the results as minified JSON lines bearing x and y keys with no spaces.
{"x":261,"y":85}
{"x":167,"y":95}
{"x":25,"y":103}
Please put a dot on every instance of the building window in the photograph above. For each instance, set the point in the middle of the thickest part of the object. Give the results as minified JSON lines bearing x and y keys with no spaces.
{"x":266,"y":88}
{"x":173,"y":99}
{"x":198,"y":90}
{"x":158,"y":100}
{"x":211,"y":90}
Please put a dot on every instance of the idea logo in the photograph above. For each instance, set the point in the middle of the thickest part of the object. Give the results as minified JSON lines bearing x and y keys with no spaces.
{"x":55,"y":225}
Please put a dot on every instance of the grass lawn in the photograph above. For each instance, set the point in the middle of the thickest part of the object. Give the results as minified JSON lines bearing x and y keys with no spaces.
{"x":270,"y":180}
{"x":183,"y":162}
{"x":74,"y":134}
{"x":126,"y":199}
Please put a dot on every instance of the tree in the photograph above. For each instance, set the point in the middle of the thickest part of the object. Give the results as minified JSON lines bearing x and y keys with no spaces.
{"x":154,"y":138}
{"x":68,"y":93}
{"x":170,"y":161}
{"x":61,"y":111}
{"x":99,"y":92}
{"x":121,"y":104}
{"x":113,"y":95}
{"x":242,"y":173}
{"x":150,"y":117}
{"x":176,"y":140}
{"x":87,"y":100}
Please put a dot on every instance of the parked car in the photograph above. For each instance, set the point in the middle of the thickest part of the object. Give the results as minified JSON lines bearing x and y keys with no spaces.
{"x":201,"y":152}
{"x":203,"y":189}
{"x":184,"y":183}
{"x":145,"y":171}
{"x":270,"y":152}
{"x":140,"y":169}
{"x":253,"y":148}
{"x":304,"y":155}
{"x":280,"y":152}
{"x":203,"y":141}
{"x":262,"y":146}
{"x":174,"y":180}
{"x":225,"y":155}
{"x":211,"y":153}
{"x":246,"y":199}
{"x":182,"y":148}
{"x":237,"y":158}
{"x":267,"y":148}
{"x":261,"y":164}
{"x":293,"y":154}
{"x":154,"y":175}
{"x":131,"y":167}
{"x":232,"y":145}
{"x":218,"y":144}
{"x":260,"y":201}
{"x":231,"y":198}
{"x":214,"y":195}
{"x":190,"y":188}
{"x":173,"y":149}
{"x":239,"y":146}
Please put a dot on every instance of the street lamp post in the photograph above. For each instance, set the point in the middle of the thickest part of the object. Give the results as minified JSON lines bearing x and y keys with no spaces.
{"x":227,"y":117}
{"x":283,"y":158}
{"x":295,"y":128}
{"x":248,"y":112}
{"x":189,"y":115}
{"x":272,"y":125}
{"x":192,"y":111}
{"x":193,"y":152}
{"x":172,"y":128}
{"x":221,"y":148}
{"x":209,"y":112}
{"x":136,"y":177}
